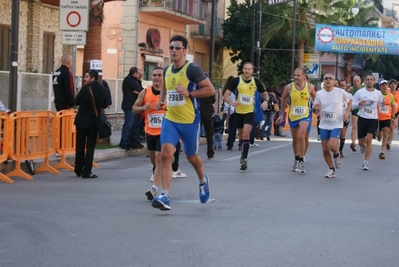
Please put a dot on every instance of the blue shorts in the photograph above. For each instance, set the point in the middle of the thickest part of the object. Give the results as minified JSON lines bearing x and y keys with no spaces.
{"x":294,"y":124}
{"x":327,"y":134}
{"x":189,"y":133}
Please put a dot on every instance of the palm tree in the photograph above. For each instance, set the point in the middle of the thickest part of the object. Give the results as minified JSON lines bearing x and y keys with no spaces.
{"x":92,"y":48}
{"x":341,"y":13}
{"x":306,"y":14}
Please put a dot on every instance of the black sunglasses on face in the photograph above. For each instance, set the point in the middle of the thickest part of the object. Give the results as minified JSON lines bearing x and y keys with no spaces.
{"x":328,"y":78}
{"x":175,"y":47}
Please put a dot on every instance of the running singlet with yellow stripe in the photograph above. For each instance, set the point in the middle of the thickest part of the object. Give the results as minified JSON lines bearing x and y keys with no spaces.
{"x":299,"y":103}
{"x":180,"y":109}
{"x":246,"y":96}
{"x":153,"y":118}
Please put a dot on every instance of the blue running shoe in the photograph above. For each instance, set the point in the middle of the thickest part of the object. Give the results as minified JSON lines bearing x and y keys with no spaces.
{"x":204,"y":192}
{"x":161,"y":202}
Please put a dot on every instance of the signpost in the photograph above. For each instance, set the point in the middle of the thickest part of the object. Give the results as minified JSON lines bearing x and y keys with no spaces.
{"x":73,"y":38}
{"x":74,"y":23}
{"x":74,"y":15}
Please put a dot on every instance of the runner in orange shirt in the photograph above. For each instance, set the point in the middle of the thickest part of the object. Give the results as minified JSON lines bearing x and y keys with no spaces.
{"x":385,"y":115}
{"x":393,"y":86}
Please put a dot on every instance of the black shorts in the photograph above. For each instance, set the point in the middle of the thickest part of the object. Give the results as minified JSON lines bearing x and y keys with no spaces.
{"x":384,"y":124}
{"x":153,"y":142}
{"x":366,"y":126}
{"x":242,"y":119}
{"x":355,"y":111}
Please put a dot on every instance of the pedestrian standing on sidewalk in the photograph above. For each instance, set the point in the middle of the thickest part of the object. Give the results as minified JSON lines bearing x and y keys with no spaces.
{"x":85,"y":121}
{"x":131,"y":87}
{"x":63,"y":85}
{"x":218,"y":125}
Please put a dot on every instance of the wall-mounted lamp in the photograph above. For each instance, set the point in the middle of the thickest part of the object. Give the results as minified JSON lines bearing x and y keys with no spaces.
{"x":355,"y":10}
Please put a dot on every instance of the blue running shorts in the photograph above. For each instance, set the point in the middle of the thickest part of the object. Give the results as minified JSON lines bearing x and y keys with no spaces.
{"x":327,"y":134}
{"x":189,"y":133}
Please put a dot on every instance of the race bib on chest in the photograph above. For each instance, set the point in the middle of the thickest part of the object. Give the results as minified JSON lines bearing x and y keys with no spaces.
{"x":298,"y":110}
{"x":175,"y":99}
{"x":368,"y":110}
{"x":246,"y":100}
{"x":384,"y":109}
{"x":328,"y":116}
{"x":155,"y":120}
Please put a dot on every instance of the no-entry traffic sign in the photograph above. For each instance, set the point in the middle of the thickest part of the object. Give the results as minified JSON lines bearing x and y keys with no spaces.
{"x":74,"y":15}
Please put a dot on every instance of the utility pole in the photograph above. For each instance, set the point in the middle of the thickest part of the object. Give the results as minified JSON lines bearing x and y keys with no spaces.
{"x":212,"y":52}
{"x":293,"y":42}
{"x":252,"y":45}
{"x":12,"y":99}
{"x":259,"y":51}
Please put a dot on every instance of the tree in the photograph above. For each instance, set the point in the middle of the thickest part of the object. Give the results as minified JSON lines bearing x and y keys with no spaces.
{"x":341,"y":13}
{"x":385,"y":65}
{"x":237,"y":29}
{"x":92,"y":48}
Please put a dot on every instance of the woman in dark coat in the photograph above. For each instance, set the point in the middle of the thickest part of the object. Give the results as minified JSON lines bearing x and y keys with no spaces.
{"x":85,"y":121}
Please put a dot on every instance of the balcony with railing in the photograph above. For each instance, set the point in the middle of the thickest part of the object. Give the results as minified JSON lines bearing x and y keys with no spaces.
{"x":203,"y":31}
{"x":189,"y":12}
{"x":390,"y":19}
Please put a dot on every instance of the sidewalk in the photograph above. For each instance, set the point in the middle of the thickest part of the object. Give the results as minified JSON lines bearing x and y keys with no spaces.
{"x":109,"y":153}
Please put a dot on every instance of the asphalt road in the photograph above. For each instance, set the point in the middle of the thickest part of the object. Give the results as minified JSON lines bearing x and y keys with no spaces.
{"x":267,"y":216}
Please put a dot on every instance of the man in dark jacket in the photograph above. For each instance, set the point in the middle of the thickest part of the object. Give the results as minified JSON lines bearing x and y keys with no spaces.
{"x":207,"y":111}
{"x":85,"y":121}
{"x":131,"y":87}
{"x":64,"y":90}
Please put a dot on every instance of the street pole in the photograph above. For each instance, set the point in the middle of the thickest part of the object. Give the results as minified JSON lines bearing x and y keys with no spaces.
{"x":251,"y":50}
{"x":293,"y":42}
{"x":259,"y":35}
{"x":336,"y":65}
{"x":212,"y":52}
{"x":12,"y":100}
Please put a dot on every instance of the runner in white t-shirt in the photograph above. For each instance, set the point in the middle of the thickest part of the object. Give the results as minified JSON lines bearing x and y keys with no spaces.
{"x":367,"y":99}
{"x":328,"y":104}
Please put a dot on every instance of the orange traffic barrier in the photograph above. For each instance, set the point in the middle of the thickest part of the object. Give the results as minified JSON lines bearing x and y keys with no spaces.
{"x":32,"y":137}
{"x":65,"y":136}
{"x":4,"y":143}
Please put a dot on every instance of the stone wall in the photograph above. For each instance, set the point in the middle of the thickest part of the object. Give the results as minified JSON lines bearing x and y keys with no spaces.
{"x":35,"y":18}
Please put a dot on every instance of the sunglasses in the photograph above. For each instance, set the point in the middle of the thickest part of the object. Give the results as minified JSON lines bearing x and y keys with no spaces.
{"x":328,"y":78}
{"x":175,"y":47}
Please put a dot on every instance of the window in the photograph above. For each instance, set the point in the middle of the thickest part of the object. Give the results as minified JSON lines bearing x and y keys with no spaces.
{"x":148,"y":68}
{"x":5,"y":40}
{"x":48,"y":52}
{"x":199,"y":59}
